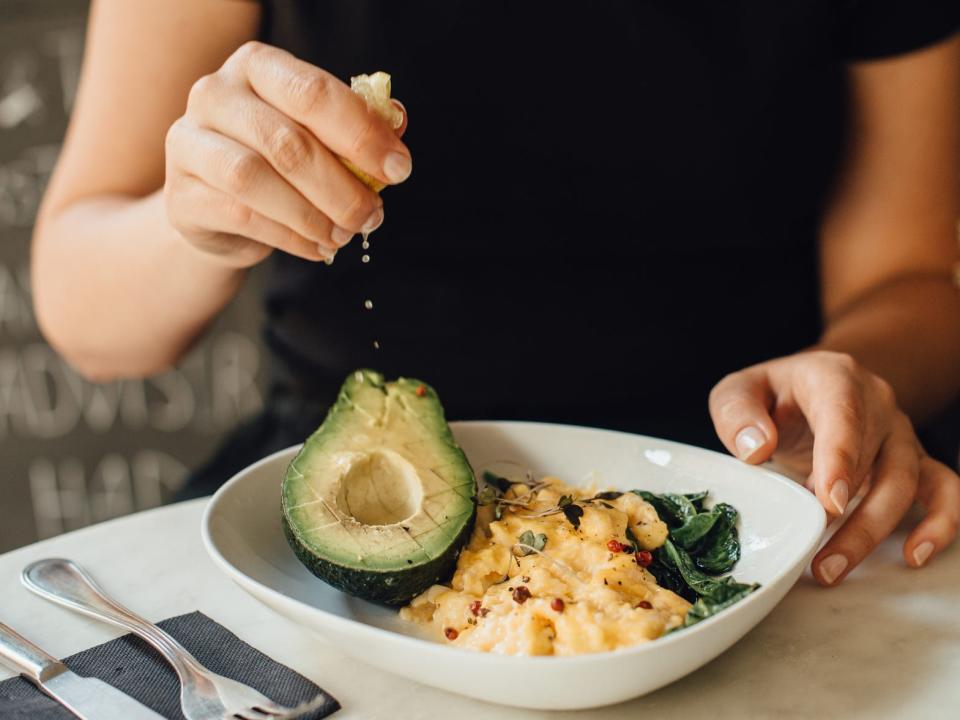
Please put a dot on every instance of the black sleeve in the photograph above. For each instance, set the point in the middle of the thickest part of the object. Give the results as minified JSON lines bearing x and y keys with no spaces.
{"x":872,"y":29}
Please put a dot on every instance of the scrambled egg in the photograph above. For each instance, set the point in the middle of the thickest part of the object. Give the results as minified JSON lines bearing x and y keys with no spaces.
{"x":585,"y":591}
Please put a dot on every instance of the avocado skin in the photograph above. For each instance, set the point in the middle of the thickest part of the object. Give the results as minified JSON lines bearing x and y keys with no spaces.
{"x":385,"y":588}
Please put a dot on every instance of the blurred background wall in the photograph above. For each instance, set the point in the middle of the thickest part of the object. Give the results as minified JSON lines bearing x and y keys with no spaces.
{"x":71,"y":452}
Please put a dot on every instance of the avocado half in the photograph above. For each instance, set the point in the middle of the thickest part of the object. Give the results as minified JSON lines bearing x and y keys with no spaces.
{"x":380,"y":500}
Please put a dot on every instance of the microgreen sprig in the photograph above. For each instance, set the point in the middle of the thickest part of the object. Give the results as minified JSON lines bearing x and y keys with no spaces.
{"x":529,"y":543}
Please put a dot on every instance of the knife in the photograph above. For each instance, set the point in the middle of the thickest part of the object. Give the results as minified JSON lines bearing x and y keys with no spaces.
{"x":87,"y":698}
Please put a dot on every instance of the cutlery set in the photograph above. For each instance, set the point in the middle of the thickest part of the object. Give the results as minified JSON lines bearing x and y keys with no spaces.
{"x":204,"y":695}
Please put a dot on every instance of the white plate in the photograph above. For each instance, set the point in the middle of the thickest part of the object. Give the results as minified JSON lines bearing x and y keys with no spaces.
{"x":780,"y":527}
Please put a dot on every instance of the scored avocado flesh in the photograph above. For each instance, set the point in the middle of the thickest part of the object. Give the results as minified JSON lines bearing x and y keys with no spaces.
{"x":380,"y":499}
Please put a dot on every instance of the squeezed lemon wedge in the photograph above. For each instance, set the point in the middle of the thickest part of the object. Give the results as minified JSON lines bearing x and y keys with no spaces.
{"x":375,"y":89}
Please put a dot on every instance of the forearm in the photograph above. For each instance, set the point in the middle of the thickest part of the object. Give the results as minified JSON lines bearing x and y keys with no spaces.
{"x":907,"y":331}
{"x":117,"y":291}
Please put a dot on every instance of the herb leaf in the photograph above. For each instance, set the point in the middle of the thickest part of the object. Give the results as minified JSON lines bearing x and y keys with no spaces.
{"x":487,"y":496}
{"x":673,"y":509}
{"x":685,"y":507}
{"x":714,"y":594}
{"x":697,"y":499}
{"x":694,"y":528}
{"x":573,"y":513}
{"x":669,"y":577}
{"x":500,"y":483}
{"x":527,"y":538}
{"x":702,"y":609}
{"x":701,"y":546}
{"x":633,"y":540}
{"x":720,"y":548}
{"x":564,"y":501}
{"x":713,"y":588}
{"x":608,"y":495}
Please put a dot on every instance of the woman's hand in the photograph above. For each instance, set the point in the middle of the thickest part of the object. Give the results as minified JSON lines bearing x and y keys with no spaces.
{"x":252,"y":165}
{"x":823,"y":414}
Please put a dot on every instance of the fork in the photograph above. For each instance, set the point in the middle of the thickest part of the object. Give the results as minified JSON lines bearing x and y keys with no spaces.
{"x":204,"y":695}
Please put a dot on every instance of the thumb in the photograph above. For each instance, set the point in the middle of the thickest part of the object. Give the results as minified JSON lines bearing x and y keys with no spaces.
{"x":740,"y":408}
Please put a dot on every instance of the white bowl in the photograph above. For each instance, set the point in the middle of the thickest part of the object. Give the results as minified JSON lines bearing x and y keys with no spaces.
{"x":780,"y":527}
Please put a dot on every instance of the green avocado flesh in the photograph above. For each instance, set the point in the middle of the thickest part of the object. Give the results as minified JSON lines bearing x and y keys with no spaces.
{"x":380,"y":500}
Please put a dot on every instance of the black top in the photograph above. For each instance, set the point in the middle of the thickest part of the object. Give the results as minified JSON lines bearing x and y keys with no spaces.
{"x":612,"y":204}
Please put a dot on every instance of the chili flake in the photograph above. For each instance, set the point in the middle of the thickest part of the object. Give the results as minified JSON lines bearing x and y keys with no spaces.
{"x":617,"y":546}
{"x":557,"y":605}
{"x":450,"y":633}
{"x":645,"y":605}
{"x":475,"y":607}
{"x":644,"y":558}
{"x":421,"y":390}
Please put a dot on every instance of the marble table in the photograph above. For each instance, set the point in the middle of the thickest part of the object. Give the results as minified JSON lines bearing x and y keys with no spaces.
{"x":886,"y":644}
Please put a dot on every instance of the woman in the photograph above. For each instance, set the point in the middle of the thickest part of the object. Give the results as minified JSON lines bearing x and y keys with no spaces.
{"x":614,"y":208}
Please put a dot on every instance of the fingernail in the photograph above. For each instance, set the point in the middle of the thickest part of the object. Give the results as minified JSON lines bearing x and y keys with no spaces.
{"x":839,"y":495}
{"x":923,"y":552}
{"x":341,"y":236}
{"x":832,"y":567}
{"x":329,"y":258}
{"x":748,"y":441}
{"x":397,"y":167}
{"x":374,"y":221}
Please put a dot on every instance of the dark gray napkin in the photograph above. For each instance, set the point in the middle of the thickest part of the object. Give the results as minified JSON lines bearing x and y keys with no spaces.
{"x":132,"y":666}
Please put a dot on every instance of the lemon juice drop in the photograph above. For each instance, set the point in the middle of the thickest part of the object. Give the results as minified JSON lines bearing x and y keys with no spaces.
{"x":375,"y":90}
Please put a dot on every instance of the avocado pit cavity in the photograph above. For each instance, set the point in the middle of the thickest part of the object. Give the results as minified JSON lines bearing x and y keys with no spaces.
{"x":380,"y":488}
